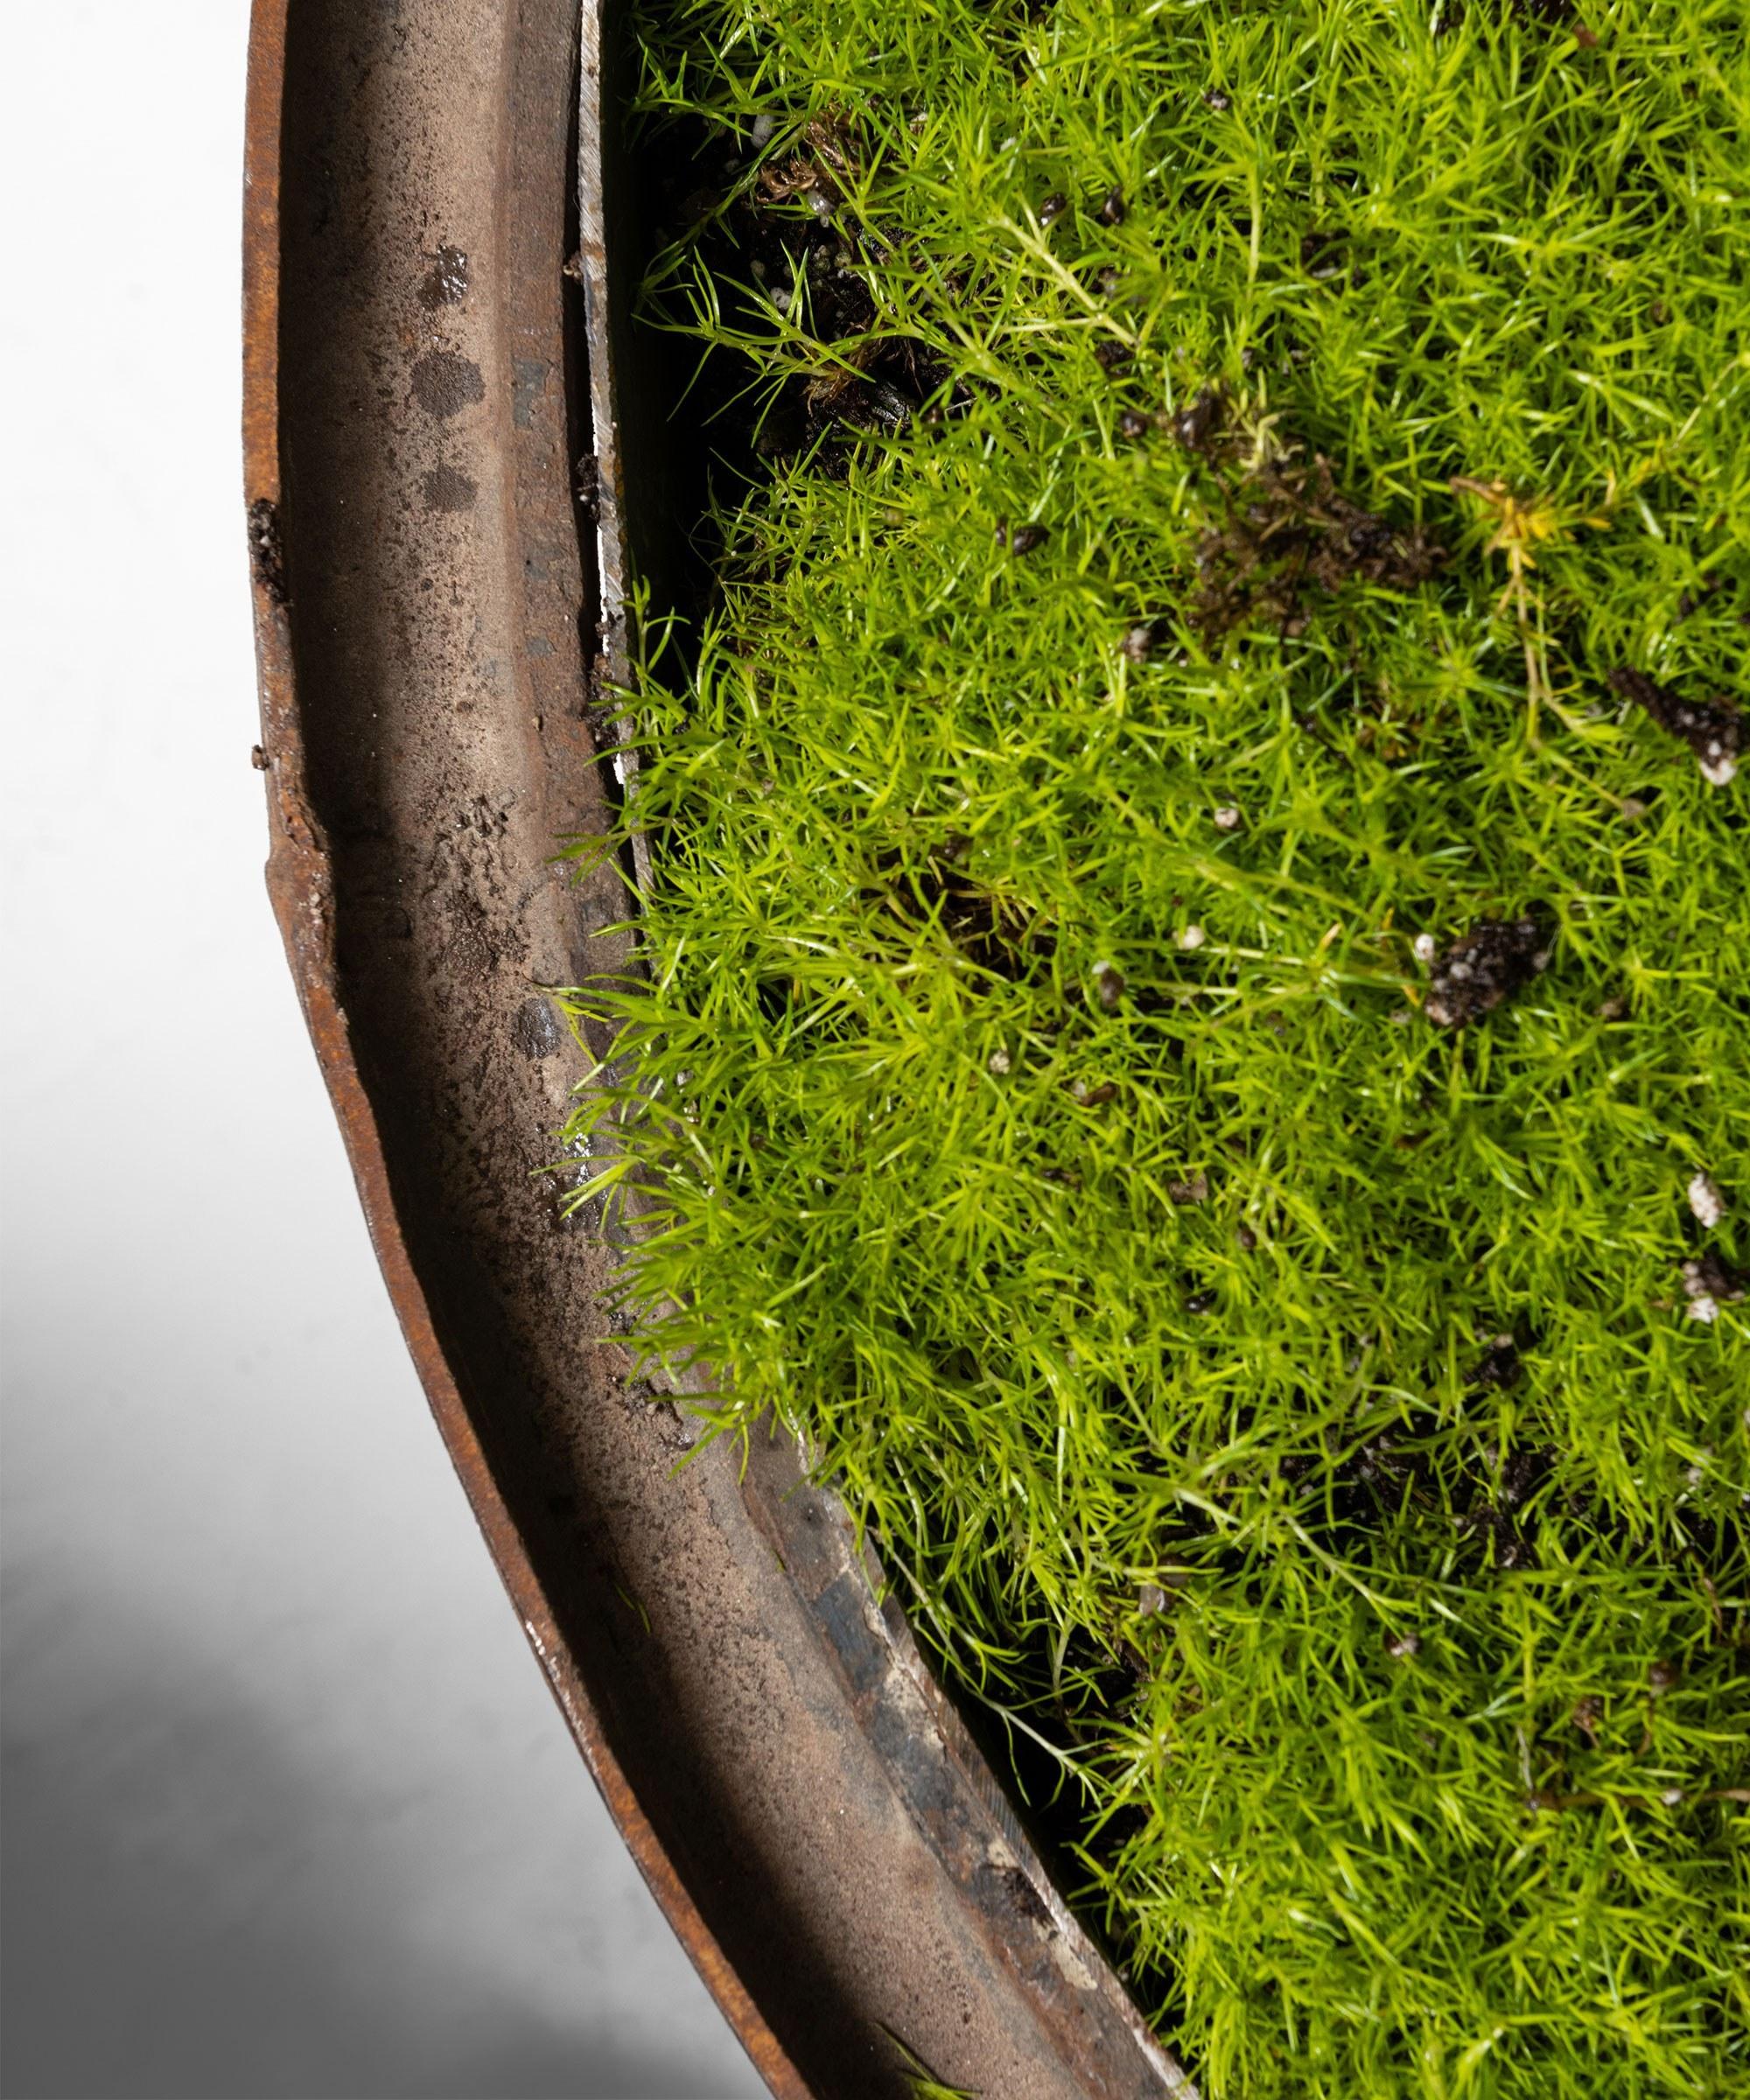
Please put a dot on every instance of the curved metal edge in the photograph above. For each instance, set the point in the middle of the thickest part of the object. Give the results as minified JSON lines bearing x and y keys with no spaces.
{"x":948,"y":1787}
{"x":300,"y":887}
{"x":970,"y":1825}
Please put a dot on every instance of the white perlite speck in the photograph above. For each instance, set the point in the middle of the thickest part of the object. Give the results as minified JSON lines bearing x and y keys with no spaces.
{"x":1227,"y":818}
{"x":1424,"y":947}
{"x":1193,"y":937}
{"x":1703,"y":1305}
{"x":1705,"y":1202}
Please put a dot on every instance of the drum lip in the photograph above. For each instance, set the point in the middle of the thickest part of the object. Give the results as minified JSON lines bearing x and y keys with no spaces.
{"x":828,"y":1626}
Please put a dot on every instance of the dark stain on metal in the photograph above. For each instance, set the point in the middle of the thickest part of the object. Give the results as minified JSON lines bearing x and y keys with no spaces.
{"x":266,"y":557}
{"x":445,"y":384}
{"x":537,"y":1030}
{"x":446,"y":282}
{"x":839,"y":1612}
{"x":1023,"y":1896}
{"x":447,"y":488}
{"x":528,"y":376}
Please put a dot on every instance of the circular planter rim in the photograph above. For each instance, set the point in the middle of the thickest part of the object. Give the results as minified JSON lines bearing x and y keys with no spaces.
{"x":875,"y":1876}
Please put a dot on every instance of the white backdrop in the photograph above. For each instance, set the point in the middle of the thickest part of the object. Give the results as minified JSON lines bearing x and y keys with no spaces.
{"x":287,"y":1809}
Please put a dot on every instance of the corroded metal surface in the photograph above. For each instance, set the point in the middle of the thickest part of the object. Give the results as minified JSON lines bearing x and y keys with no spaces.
{"x":806,"y":1806}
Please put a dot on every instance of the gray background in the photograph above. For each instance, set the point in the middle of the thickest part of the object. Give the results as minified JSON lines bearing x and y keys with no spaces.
{"x":287,"y":1807}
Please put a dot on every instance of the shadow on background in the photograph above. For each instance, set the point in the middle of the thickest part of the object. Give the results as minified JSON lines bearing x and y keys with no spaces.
{"x":188,"y":1916}
{"x":287,"y":1809}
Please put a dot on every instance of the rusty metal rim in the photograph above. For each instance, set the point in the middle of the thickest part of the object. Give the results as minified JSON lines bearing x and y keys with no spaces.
{"x":864,"y":1689}
{"x":299,"y":883}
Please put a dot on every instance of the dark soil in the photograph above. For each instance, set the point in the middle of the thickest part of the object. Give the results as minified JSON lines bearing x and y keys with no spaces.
{"x":1288,"y":531}
{"x":1712,"y":1279}
{"x":1712,"y":729}
{"x":1499,"y":1367}
{"x":1483,"y":969}
{"x":994,"y":934}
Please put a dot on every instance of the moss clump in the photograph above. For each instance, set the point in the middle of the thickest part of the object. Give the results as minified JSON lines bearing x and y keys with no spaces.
{"x":1193,"y":963}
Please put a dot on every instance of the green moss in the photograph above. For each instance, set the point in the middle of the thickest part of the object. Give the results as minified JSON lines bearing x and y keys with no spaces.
{"x":1034,"y":1087}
